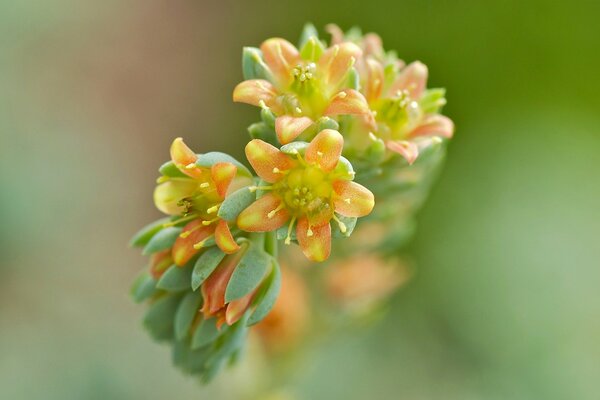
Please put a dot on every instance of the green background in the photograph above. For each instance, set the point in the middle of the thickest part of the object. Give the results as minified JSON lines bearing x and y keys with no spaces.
{"x":505,"y":304}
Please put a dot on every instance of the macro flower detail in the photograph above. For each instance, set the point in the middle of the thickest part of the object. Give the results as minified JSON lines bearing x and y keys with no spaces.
{"x":306,"y":186}
{"x":302,"y":86}
{"x":193,"y":194}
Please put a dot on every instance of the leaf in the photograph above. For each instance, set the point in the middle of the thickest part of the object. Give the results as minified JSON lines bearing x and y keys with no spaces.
{"x":253,"y":66}
{"x":186,"y":312}
{"x":143,"y":236}
{"x":267,"y":298}
{"x":268,"y":117}
{"x":432,"y":100}
{"x":158,"y":320}
{"x":169,"y":169}
{"x":229,"y":344}
{"x":205,"y":265}
{"x":213,"y":157}
{"x":349,"y":222}
{"x":162,"y":240}
{"x":235,"y":203}
{"x":248,"y":274}
{"x":344,"y":167}
{"x":312,"y":49}
{"x":260,"y":130}
{"x":294,"y":148}
{"x":308,"y":31}
{"x":175,"y":278}
{"x":206,"y":333}
{"x":143,"y":288}
{"x":353,"y":79}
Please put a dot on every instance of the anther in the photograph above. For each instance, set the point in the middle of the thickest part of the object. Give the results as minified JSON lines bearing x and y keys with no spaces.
{"x":213,"y":209}
{"x":272,"y":213}
{"x":204,"y":185}
{"x":288,"y":239}
{"x":342,"y":226}
{"x":309,"y":232}
{"x":191,"y":166}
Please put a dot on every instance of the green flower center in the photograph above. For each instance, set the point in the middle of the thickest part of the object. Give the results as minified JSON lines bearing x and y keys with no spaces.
{"x":305,"y":190}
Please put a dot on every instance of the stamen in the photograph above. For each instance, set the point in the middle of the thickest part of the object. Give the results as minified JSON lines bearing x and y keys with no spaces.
{"x":272,"y":213}
{"x":347,"y":201}
{"x":180,"y":220}
{"x":309,"y":232}
{"x":204,"y":185}
{"x":341,"y":95}
{"x":372,"y":136}
{"x":342,"y":226}
{"x":210,"y":221}
{"x":213,"y":209}
{"x":298,"y":110}
{"x":253,"y":189}
{"x":320,"y":153}
{"x":201,"y":243}
{"x":191,"y":166}
{"x":288,"y":239}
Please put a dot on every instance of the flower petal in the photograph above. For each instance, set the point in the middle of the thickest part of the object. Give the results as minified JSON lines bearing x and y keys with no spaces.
{"x":263,"y":215}
{"x":280,"y":56}
{"x":159,"y":262}
{"x":373,"y":45}
{"x":237,"y":307}
{"x":435,"y":125}
{"x":185,"y":159}
{"x":213,"y":288}
{"x":337,"y":35}
{"x":193,"y":233}
{"x":224,"y":238}
{"x":289,"y":128}
{"x":412,"y":78}
{"x":352,"y":199}
{"x":168,"y":194}
{"x":337,"y":60}
{"x":222,"y":174}
{"x":325,"y":149}
{"x":254,"y":91}
{"x":348,"y":101}
{"x":267,"y":160}
{"x":408,"y":150}
{"x":315,"y":241}
{"x":375,"y":77}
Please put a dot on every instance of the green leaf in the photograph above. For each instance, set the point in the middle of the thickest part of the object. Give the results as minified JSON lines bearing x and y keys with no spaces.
{"x":175,"y":278}
{"x":312,"y":49}
{"x":143,"y":288}
{"x":206,"y":333}
{"x":186,"y":312}
{"x":281,"y":233}
{"x":213,"y":157}
{"x":229,"y":344}
{"x":260,"y":130}
{"x":308,"y":31}
{"x":235,"y":203}
{"x":327,"y":123}
{"x":248,"y":274}
{"x":205,"y":265}
{"x":253,"y":66}
{"x":353,"y":79}
{"x":158,"y":320}
{"x":162,"y":240}
{"x":349,"y":222}
{"x":294,"y":148}
{"x":169,"y":169}
{"x":433,"y":100}
{"x":266,"y":300}
{"x":143,"y":236}
{"x":268,"y":117}
{"x":345,"y":167}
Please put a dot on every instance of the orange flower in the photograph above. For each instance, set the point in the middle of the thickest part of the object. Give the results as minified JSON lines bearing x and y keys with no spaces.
{"x":306,"y":186}
{"x":194,"y":194}
{"x":303,"y":86}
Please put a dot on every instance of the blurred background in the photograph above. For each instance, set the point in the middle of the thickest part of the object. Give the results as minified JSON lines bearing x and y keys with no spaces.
{"x":505,"y":303}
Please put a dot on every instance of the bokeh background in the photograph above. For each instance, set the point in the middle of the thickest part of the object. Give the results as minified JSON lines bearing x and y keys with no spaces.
{"x":505,"y":304}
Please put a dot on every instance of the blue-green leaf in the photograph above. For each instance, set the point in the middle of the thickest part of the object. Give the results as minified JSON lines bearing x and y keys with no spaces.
{"x":235,"y":203}
{"x":159,"y":317}
{"x":312,"y":49}
{"x":253,"y":66}
{"x":308,"y":31}
{"x":294,"y":148}
{"x":169,"y":169}
{"x":349,"y":223}
{"x":248,"y":274}
{"x":175,"y":278}
{"x":143,"y":288}
{"x":213,"y":157}
{"x":162,"y":240}
{"x":266,"y":300}
{"x":205,"y":265}
{"x":186,"y":312}
{"x":143,"y":236}
{"x":206,"y":333}
{"x":432,"y":100}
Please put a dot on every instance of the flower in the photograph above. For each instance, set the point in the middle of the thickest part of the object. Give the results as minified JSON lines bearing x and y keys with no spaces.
{"x":194,"y":194}
{"x":307,"y":186}
{"x":303,"y":86}
{"x":364,"y":280}
{"x":214,"y":288}
{"x":404,"y":109}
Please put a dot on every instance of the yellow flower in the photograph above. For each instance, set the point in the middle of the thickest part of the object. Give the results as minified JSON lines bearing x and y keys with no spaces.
{"x":194,"y":195}
{"x":303,"y":86}
{"x":306,"y":187}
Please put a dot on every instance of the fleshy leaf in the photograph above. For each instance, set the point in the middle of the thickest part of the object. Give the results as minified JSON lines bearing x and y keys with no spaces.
{"x":206,"y":333}
{"x":186,"y":312}
{"x":143,"y":288}
{"x":432,"y":100}
{"x":349,"y":225}
{"x":211,"y":158}
{"x":175,"y":278}
{"x":163,"y":240}
{"x":248,"y":274}
{"x":143,"y":236}
{"x":268,"y":296}
{"x":235,"y":203}
{"x":205,"y":265}
{"x":308,"y":31}
{"x":253,"y":66}
{"x":169,"y":169}
{"x":159,"y":317}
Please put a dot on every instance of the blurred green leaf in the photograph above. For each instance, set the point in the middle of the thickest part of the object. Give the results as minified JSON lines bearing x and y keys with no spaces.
{"x":175,"y":278}
{"x":205,"y":265}
{"x":248,"y":274}
{"x":143,"y":236}
{"x":162,"y":240}
{"x":186,"y":312}
{"x":266,"y":299}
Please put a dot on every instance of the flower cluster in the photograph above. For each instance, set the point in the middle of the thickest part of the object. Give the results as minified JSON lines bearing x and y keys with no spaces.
{"x":343,"y":127}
